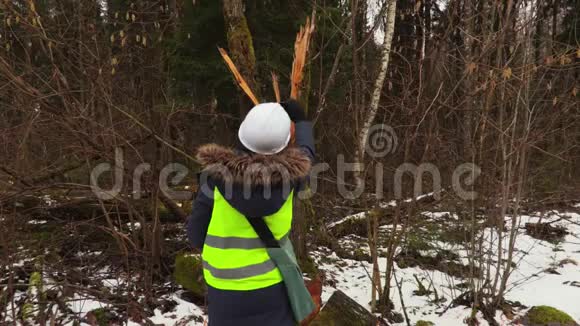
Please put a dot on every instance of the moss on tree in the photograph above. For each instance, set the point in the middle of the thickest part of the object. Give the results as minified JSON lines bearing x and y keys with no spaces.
{"x":308,"y":266}
{"x":424,"y":323}
{"x":100,"y":317}
{"x":188,"y":273}
{"x":547,"y":316}
{"x":240,"y":39}
{"x":343,"y":310}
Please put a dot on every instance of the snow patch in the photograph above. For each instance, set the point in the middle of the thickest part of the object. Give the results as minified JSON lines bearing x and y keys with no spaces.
{"x":37,"y":222}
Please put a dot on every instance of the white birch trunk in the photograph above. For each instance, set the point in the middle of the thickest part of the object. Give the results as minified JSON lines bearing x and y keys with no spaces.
{"x":368,"y":120}
{"x":376,"y":96}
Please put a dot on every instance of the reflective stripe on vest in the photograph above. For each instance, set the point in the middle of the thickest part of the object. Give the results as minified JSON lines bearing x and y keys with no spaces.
{"x":234,"y":257}
{"x":240,"y":272}
{"x":237,"y":242}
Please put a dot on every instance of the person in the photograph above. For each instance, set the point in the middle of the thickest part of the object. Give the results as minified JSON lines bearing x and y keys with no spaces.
{"x":258,"y":179}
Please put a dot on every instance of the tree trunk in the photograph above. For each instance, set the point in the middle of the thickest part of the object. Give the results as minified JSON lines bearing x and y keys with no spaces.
{"x":470,"y":80}
{"x":376,"y":95}
{"x":342,"y":310}
{"x":555,"y":10}
{"x":368,"y":120}
{"x":241,"y":47}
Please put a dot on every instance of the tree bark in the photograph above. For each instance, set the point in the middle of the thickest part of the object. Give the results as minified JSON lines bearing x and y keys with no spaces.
{"x":342,"y":310}
{"x":368,"y":120}
{"x":376,"y":95}
{"x":241,"y":47}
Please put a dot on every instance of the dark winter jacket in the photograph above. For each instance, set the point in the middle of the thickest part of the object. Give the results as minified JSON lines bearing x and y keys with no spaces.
{"x":268,"y":306}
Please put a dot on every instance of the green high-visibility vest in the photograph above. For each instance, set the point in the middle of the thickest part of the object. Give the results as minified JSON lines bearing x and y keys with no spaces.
{"x":234,"y":257}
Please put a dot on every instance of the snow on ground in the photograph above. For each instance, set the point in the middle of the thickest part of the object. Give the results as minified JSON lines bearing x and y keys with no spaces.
{"x":546,"y":274}
{"x":531,"y":286}
{"x":354,"y":280}
{"x":184,"y":313}
{"x":37,"y":222}
{"x":81,"y":305}
{"x":357,"y":216}
{"x":438,"y":215}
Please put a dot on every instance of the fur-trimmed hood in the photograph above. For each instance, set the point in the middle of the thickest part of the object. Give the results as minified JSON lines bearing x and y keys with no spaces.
{"x":227,"y":165}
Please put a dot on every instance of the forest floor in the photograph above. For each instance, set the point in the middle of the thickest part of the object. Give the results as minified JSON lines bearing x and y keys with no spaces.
{"x":431,"y":271}
{"x":546,"y":270}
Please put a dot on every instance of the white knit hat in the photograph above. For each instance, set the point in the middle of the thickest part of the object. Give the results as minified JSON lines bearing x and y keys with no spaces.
{"x":266,"y":129}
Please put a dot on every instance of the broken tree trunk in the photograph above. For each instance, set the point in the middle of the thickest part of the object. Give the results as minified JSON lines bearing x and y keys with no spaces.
{"x":299,"y":90}
{"x":241,"y":46}
{"x":342,"y":310}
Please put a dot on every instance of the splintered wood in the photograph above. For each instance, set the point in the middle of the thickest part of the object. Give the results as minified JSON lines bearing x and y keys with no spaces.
{"x":241,"y":81}
{"x":301,"y":46}
{"x":276,"y":85}
{"x":300,"y":51}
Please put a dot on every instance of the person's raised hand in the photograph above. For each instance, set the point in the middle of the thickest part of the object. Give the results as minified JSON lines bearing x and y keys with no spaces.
{"x":294,"y":110}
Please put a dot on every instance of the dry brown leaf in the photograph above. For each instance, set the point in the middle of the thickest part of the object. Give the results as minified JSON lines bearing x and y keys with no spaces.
{"x":574,"y":91}
{"x":471,"y":68}
{"x":507,"y":73}
{"x":555,"y":101}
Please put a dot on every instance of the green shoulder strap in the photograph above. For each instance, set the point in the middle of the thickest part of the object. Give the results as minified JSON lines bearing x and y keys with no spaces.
{"x":285,"y":259}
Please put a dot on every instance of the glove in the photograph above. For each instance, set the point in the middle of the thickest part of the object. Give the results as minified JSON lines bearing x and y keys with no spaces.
{"x":294,"y":110}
